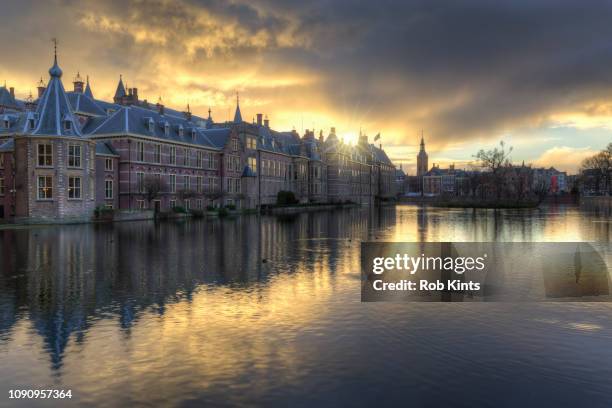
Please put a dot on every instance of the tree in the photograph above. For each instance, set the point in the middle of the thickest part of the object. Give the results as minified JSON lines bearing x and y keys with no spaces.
{"x":153,"y":187}
{"x":597,"y":170}
{"x":496,"y":161}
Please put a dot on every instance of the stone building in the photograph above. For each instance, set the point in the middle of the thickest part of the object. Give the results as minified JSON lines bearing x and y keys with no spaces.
{"x":67,"y":153}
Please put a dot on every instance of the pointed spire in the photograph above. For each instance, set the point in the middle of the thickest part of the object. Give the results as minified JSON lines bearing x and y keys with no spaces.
{"x":88,"y":91}
{"x":209,"y":117}
{"x":237,"y":115}
{"x":422,"y":141}
{"x":120,"y":92}
{"x":54,"y":112}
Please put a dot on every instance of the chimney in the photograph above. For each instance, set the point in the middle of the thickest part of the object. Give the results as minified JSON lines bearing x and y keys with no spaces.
{"x":187,"y":113}
{"x":78,"y":83}
{"x":12,"y":91}
{"x":160,"y":108}
{"x":267,"y":122}
{"x":41,"y":88}
{"x":135,"y":94}
{"x":259,"y":119}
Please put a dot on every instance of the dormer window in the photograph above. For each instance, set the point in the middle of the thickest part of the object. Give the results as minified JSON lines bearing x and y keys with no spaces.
{"x":31,"y":124}
{"x":67,"y":125}
{"x":180,"y":131}
{"x":193,"y":134}
{"x":151,"y":125}
{"x":166,"y":129}
{"x":7,"y":123}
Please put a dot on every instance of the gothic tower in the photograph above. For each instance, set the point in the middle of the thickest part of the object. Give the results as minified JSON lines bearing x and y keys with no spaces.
{"x":422,"y":160}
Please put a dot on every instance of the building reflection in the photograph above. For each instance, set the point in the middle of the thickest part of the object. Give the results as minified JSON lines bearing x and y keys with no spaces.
{"x":65,"y":279}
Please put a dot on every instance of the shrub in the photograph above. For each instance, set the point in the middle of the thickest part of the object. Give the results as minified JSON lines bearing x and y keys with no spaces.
{"x":230,"y":207}
{"x":179,"y":209}
{"x":210,"y":208}
{"x":222,"y":212}
{"x":197,"y":213}
{"x":285,"y":198}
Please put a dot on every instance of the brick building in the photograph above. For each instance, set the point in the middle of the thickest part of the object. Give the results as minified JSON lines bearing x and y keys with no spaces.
{"x":66,"y":153}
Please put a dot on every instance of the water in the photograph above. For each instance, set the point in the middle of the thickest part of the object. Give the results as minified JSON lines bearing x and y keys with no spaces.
{"x":189,"y":314}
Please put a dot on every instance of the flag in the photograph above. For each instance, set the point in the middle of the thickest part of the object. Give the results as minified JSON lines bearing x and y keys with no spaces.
{"x":377,"y":136}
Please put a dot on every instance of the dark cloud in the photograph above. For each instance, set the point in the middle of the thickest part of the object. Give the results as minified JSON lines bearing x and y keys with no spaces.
{"x":459,"y":69}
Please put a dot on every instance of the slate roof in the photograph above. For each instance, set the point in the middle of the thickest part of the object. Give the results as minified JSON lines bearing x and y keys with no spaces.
{"x":148,"y":123}
{"x":82,"y":103}
{"x":104,"y":148}
{"x":237,"y":114}
{"x":6,"y":99}
{"x":54,"y":109}
{"x":88,"y":92}
{"x":380,"y":155}
{"x":7,"y":145}
{"x":120,"y":92}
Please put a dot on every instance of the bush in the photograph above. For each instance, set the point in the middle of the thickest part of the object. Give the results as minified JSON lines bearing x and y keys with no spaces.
{"x":222,"y":212}
{"x":210,"y":208}
{"x":285,"y":198}
{"x":197,"y":213}
{"x":179,"y":209}
{"x":230,"y":207}
{"x":104,"y":212}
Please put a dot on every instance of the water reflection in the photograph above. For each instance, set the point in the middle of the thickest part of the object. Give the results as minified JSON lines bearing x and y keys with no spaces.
{"x":169,"y":312}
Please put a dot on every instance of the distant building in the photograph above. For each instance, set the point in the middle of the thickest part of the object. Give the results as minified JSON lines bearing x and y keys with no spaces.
{"x":422,"y":163}
{"x":449,"y":181}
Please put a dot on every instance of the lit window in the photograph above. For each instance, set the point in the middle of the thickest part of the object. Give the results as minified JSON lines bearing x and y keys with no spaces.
{"x":45,"y":154}
{"x":253,"y":164}
{"x":45,"y":187}
{"x":74,"y":188}
{"x":74,"y":156}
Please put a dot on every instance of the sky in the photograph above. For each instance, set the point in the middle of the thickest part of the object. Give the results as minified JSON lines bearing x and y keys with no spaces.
{"x":465,"y":74}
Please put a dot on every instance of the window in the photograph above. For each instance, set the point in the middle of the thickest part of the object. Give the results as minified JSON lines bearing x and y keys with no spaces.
{"x":180,"y":131}
{"x":172,"y":203}
{"x":186,"y":158}
{"x":30,"y":124}
{"x":45,"y":187}
{"x":45,"y":154}
{"x":140,"y":185}
{"x":139,"y":151}
{"x":172,"y":155}
{"x":251,"y":143}
{"x":187,"y":205}
{"x":151,"y":125}
{"x":74,"y":155}
{"x":92,"y":188}
{"x":253,"y":164}
{"x":234,"y":144}
{"x":74,"y":188}
{"x":199,"y":184}
{"x":157,"y":153}
{"x":141,"y":205}
{"x":109,"y":206}
{"x":173,"y":183}
{"x":193,"y":134}
{"x":7,"y":123}
{"x":1,"y":186}
{"x":92,"y":158}
{"x":210,"y":161}
{"x":67,"y":125}
{"x":166,"y":129}
{"x":1,"y":161}
{"x":186,"y":182}
{"x":199,"y":204}
{"x":200,"y":163}
{"x":108,"y":189}
{"x":108,"y":164}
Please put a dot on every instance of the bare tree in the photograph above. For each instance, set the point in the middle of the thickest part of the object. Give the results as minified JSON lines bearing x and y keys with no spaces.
{"x":495,"y":161}
{"x":599,"y":167}
{"x":153,"y":187}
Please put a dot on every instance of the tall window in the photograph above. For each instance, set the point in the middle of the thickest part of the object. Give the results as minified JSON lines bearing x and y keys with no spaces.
{"x":210,"y":161}
{"x":45,"y":187}
{"x":172,"y":155}
{"x":74,"y":155}
{"x":108,"y":189}
{"x":140,"y":182}
{"x":139,"y":151}
{"x":157,"y":153}
{"x":186,"y":183}
{"x":74,"y":188}
{"x":234,"y":144}
{"x":251,"y":143}
{"x":45,"y":154}
{"x":253,"y":164}
{"x":186,"y":158}
{"x":200,"y":160}
{"x":1,"y":161}
{"x":108,"y":164}
{"x":199,"y":184}
{"x":1,"y":186}
{"x":173,"y":183}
